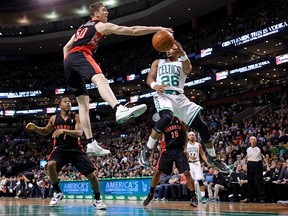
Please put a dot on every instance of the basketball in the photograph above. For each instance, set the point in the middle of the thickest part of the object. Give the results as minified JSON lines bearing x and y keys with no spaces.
{"x":162,"y":41}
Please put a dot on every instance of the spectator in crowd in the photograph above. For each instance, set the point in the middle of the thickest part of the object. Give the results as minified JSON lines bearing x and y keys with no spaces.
{"x":281,"y":149}
{"x":161,"y":190}
{"x":282,"y":182}
{"x":33,"y":187}
{"x":45,"y":187}
{"x":283,"y":137}
{"x":11,"y":184}
{"x":239,"y":161}
{"x":208,"y":177}
{"x":183,"y":190}
{"x":3,"y":188}
{"x":22,"y":189}
{"x":238,"y":182}
{"x":174,"y":183}
{"x":272,"y":175}
{"x":216,"y":185}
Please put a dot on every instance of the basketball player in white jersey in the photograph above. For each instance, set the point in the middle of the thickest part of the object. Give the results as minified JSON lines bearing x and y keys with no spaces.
{"x":195,"y":151}
{"x":167,"y":77}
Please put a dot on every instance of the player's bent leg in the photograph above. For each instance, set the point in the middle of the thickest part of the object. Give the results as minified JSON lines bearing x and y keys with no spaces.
{"x":57,"y":195}
{"x":97,"y":202}
{"x":159,"y":126}
{"x":202,"y":127}
{"x":191,"y":186}
{"x":144,"y":156}
{"x":202,"y":189}
{"x":154,"y":183}
{"x":148,"y":199}
{"x":146,"y":151}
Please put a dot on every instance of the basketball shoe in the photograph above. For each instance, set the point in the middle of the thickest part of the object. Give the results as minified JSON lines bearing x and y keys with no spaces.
{"x":93,"y":149}
{"x":221,"y":166}
{"x":123,"y":113}
{"x":145,"y":154}
{"x":99,"y":205}
{"x":194,"y":201}
{"x":148,"y":199}
{"x":57,"y":197}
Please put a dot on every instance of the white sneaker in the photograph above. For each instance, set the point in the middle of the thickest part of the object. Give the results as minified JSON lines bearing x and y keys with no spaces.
{"x":93,"y":149}
{"x":98,"y":204}
{"x":283,"y":202}
{"x":123,"y":114}
{"x":57,"y":197}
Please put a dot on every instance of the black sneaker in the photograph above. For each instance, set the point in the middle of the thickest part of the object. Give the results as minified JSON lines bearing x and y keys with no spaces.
{"x":148,"y":199}
{"x":145,"y":154}
{"x":194,"y":201}
{"x":221,"y":166}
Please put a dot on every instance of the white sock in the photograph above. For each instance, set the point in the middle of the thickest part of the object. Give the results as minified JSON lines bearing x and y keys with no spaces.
{"x":211,"y":152}
{"x":151,"y":142}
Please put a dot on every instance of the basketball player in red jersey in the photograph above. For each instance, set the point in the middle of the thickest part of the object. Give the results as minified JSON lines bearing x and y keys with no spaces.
{"x":67,"y":149}
{"x":80,"y":67}
{"x":173,"y":150}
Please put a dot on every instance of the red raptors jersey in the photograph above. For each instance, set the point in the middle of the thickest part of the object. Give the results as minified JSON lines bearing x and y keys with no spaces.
{"x":86,"y":37}
{"x":173,"y":137}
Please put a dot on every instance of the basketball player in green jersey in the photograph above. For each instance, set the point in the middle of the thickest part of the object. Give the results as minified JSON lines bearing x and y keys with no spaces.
{"x":167,"y":77}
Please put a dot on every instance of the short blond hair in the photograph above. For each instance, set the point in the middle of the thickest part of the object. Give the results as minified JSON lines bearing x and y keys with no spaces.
{"x":95,"y":8}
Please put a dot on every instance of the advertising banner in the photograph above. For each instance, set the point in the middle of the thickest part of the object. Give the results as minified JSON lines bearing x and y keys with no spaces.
{"x":110,"y":189}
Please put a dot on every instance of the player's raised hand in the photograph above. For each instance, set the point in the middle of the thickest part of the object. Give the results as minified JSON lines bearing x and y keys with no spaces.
{"x":179,"y":48}
{"x":30,"y":126}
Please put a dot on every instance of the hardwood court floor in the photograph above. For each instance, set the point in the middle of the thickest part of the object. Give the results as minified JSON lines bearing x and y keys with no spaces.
{"x":30,"y":207}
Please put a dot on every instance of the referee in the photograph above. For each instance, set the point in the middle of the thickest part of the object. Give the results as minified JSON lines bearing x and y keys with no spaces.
{"x":254,"y":172}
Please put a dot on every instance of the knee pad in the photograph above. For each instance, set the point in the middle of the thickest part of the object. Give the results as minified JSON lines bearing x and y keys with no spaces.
{"x":200,"y":183}
{"x":165,"y":119}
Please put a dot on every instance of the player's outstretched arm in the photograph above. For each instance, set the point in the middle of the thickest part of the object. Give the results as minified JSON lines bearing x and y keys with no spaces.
{"x":110,"y":28}
{"x":42,"y":130}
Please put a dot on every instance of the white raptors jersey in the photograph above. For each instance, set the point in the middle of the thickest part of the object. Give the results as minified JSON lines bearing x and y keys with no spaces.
{"x":193,"y":150}
{"x":170,"y":74}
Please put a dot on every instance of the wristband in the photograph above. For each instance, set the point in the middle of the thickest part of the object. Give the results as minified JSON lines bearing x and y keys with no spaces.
{"x":153,"y":84}
{"x":184,"y":58}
